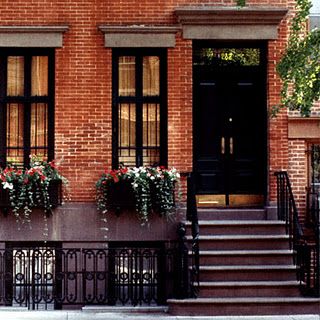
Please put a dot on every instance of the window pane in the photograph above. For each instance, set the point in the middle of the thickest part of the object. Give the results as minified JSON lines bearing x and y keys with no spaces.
{"x":39,"y":76}
{"x":127,"y":74}
{"x":151,"y":76}
{"x":315,"y":168}
{"x":15,"y":133}
{"x":127,"y":133}
{"x":151,"y":133}
{"x":15,"y":80}
{"x":227,"y":57}
{"x":39,"y":127}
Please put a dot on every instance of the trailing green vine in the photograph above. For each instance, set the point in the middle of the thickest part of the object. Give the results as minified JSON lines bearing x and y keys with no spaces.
{"x":241,"y":3}
{"x":299,"y":67}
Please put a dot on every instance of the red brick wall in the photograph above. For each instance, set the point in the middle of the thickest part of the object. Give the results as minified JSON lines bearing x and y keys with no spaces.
{"x":83,"y":82}
{"x":298,"y":171}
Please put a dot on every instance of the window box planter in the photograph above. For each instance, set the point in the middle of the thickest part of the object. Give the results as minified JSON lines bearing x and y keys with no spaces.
{"x":54,"y":190}
{"x":39,"y":186}
{"x":120,"y":196}
{"x":145,"y":189}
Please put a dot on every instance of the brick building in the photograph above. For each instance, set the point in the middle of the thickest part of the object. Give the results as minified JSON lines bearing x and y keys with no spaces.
{"x":181,"y":83}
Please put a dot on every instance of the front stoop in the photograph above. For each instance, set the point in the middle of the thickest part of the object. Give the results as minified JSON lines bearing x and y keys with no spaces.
{"x":244,"y":306}
{"x":246,"y":268}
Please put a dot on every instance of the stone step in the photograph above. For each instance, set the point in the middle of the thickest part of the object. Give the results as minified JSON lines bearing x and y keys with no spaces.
{"x":154,"y":310}
{"x":244,"y":306}
{"x":262,"y":227}
{"x":246,"y":257}
{"x":248,"y":273}
{"x":231,"y":214}
{"x":248,"y":289}
{"x":242,"y":242}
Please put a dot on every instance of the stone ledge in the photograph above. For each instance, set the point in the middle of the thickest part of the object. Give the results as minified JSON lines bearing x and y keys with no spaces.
{"x":227,"y":23}
{"x":303,"y":128}
{"x":215,"y":15}
{"x":139,"y":36}
{"x":32,"y":36}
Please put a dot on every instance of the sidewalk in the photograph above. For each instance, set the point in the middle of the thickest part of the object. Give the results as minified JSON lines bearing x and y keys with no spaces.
{"x":88,"y":315}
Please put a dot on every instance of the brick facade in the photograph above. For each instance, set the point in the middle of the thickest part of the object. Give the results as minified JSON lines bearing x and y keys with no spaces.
{"x":83,"y":128}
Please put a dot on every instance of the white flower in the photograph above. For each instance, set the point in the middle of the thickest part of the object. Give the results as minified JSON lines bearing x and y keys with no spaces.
{"x":152,"y":177}
{"x":7,"y":185}
{"x":137,"y":175}
{"x":135,"y":185}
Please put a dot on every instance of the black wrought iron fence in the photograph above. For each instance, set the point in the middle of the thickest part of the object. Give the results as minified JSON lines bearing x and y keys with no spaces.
{"x":304,"y":242}
{"x":49,"y":278}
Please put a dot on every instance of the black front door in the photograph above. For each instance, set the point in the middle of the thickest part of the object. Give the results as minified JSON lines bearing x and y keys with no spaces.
{"x":229,"y":121}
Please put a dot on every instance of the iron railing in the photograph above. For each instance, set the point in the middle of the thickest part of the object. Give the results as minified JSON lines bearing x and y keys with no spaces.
{"x":190,"y":277}
{"x":305,"y":246}
{"x":192,"y":215}
{"x":313,"y":229}
{"x":50,"y":278}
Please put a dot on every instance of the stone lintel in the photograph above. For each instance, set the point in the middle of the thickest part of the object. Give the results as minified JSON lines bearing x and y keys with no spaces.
{"x":139,"y":36}
{"x":229,"y":23}
{"x":32,"y":36}
{"x":303,"y":128}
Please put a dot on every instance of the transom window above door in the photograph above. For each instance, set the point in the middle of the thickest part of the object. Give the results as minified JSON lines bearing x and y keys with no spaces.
{"x":139,"y":107}
{"x":26,"y":105}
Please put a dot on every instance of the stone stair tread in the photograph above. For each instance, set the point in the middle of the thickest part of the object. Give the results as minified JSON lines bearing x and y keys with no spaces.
{"x":247,"y":267}
{"x":242,"y":300}
{"x":240,"y":237}
{"x":229,"y":210}
{"x":238,"y":222}
{"x":243,"y":252}
{"x":247,"y":283}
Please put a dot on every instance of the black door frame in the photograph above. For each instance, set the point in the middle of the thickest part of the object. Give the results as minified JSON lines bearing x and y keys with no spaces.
{"x":262,"y":45}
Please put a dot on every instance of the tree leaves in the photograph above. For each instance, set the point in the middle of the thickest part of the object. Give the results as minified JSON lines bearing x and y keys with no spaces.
{"x":299,"y":66}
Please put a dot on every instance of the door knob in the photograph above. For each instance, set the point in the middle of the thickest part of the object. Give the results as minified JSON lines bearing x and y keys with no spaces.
{"x":231,"y":145}
{"x":223,"y":145}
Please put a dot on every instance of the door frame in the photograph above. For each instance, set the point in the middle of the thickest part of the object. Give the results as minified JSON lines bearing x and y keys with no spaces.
{"x":263,"y":46}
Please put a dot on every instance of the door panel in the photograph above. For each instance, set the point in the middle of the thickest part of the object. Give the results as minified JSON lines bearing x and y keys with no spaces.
{"x":229,"y":130}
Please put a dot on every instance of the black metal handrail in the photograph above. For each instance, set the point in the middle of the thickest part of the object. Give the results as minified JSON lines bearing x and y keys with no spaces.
{"x":287,"y":209}
{"x":313,"y":224}
{"x":306,"y":252}
{"x":192,"y":216}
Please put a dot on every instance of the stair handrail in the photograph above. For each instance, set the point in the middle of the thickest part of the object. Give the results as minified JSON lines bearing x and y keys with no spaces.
{"x":306,"y":255}
{"x":313,"y":224}
{"x":287,"y":209}
{"x":192,"y":216}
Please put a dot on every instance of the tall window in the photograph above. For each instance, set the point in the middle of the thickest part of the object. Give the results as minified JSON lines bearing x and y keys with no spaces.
{"x":26,"y":105}
{"x":139,"y":108}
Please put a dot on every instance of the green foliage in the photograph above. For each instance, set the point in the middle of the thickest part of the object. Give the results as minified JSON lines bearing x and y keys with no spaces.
{"x":28,"y":188}
{"x":241,"y":3}
{"x":299,"y":67}
{"x":153,"y":188}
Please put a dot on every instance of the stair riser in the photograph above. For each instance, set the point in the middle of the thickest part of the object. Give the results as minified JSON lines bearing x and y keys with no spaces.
{"x":274,"y":291}
{"x":221,"y":309}
{"x":246,"y":260}
{"x":240,"y":230}
{"x":248,"y":244}
{"x":252,"y":275}
{"x":231,"y":215}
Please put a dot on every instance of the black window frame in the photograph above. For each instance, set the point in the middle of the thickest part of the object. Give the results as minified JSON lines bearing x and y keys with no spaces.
{"x":26,"y":100}
{"x":139,"y":99}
